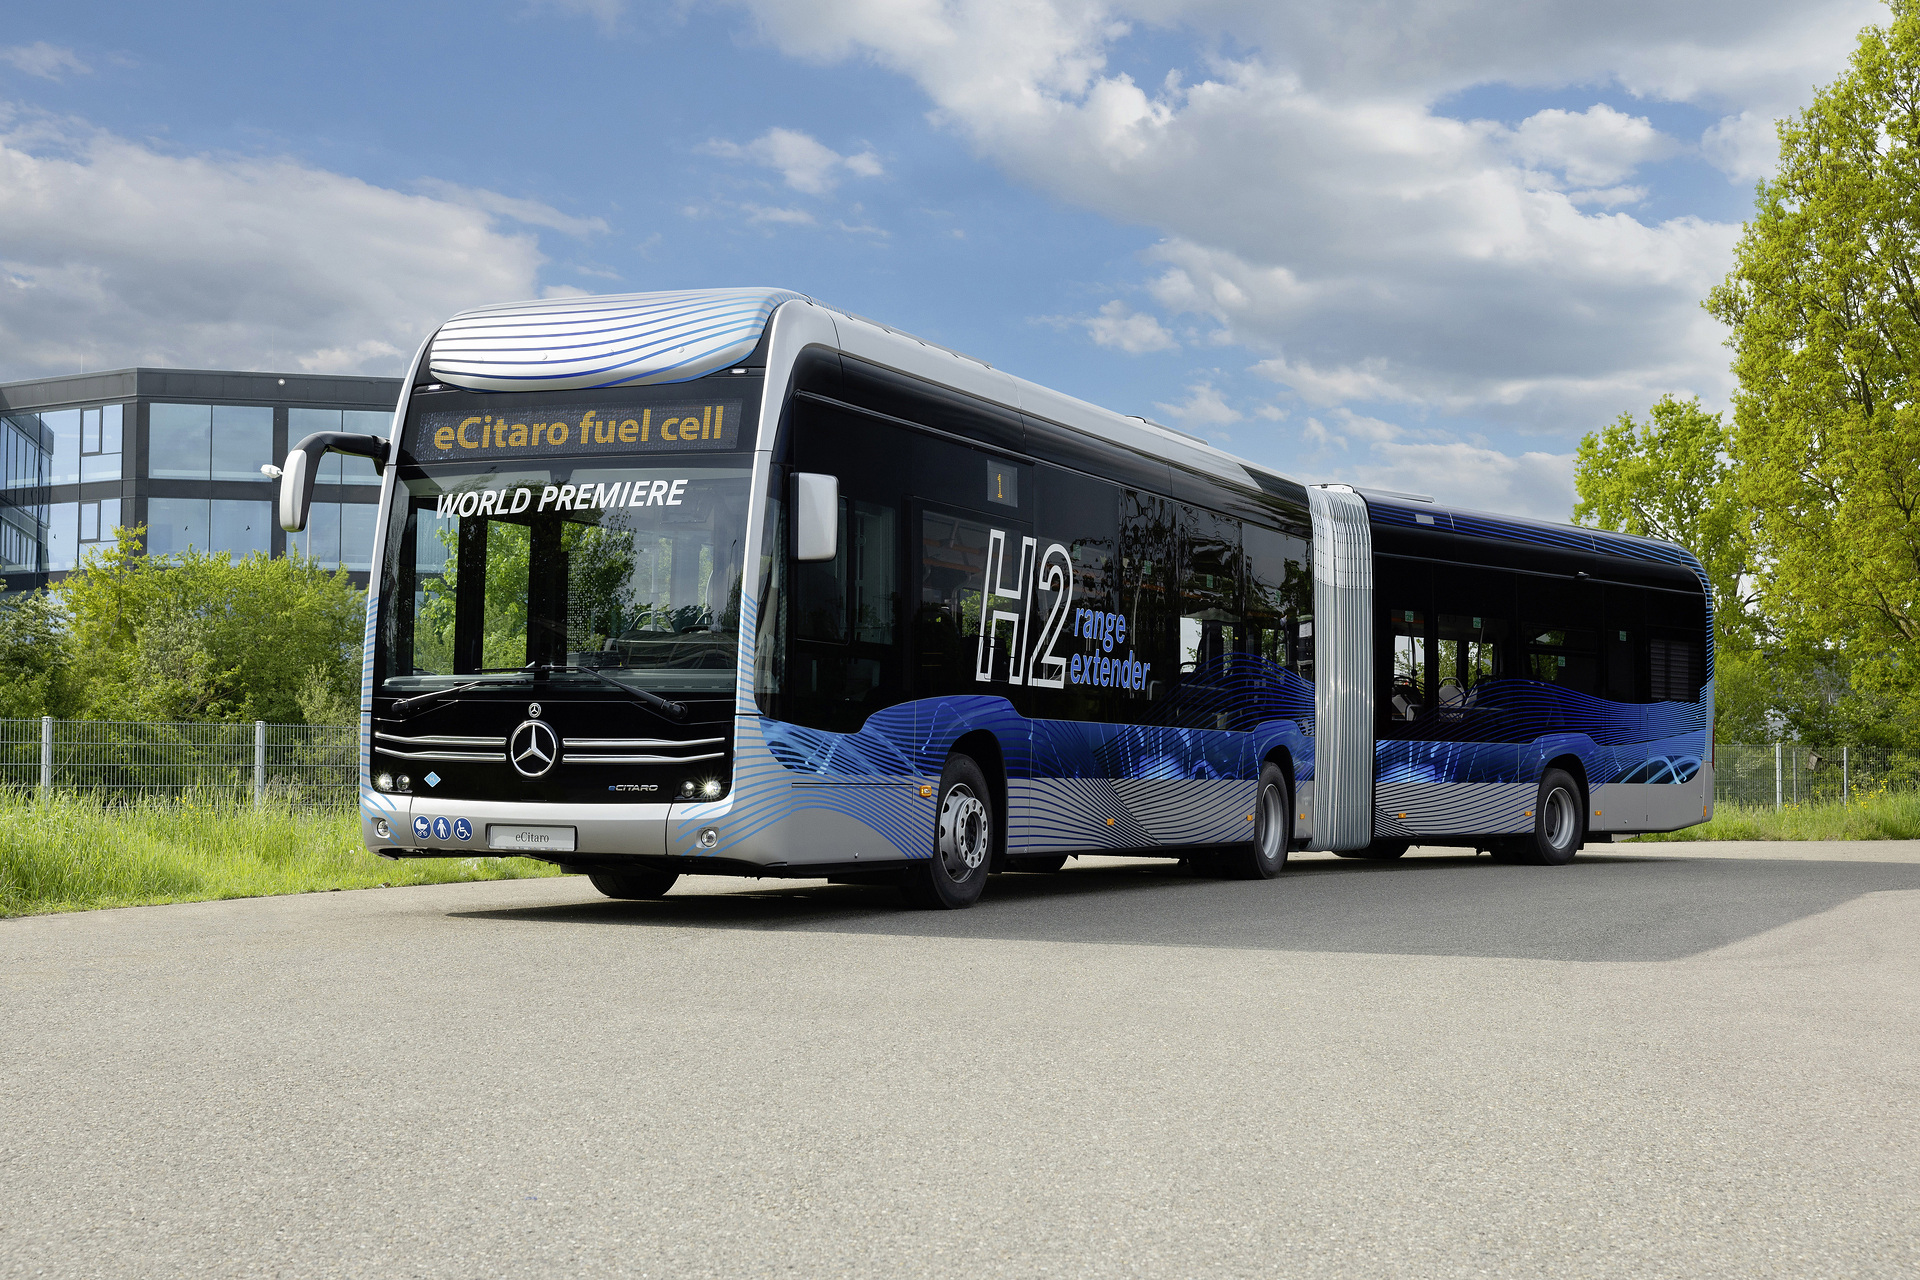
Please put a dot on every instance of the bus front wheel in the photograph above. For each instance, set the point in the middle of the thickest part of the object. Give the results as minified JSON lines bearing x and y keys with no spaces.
{"x":963,"y":838}
{"x":633,"y":882}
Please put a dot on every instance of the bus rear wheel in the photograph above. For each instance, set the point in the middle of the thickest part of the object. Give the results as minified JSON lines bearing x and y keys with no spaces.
{"x":1266,"y":857}
{"x":1559,"y":823}
{"x":632,"y":882}
{"x":963,"y":839}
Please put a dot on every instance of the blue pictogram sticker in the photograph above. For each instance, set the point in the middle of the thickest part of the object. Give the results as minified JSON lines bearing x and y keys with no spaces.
{"x":442,"y":829}
{"x":433,"y":779}
{"x":462,"y":829}
{"x":422,"y":828}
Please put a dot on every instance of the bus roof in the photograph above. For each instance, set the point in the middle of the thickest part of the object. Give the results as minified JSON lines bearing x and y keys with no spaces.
{"x":636,"y":339}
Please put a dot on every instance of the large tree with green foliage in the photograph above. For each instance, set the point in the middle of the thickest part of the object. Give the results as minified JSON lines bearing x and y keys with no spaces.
{"x":1669,"y":477}
{"x":207,"y":637}
{"x":1824,"y":307}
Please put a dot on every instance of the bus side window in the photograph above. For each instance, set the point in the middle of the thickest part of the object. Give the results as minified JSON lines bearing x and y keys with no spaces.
{"x":1407,"y":640}
{"x":1472,"y":650}
{"x":1673,"y":668}
{"x":1279,"y":598}
{"x":1210,"y":620}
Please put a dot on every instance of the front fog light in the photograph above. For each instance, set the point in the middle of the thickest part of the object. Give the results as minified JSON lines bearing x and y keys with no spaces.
{"x":381,"y":829}
{"x":711,"y":788}
{"x":709,"y":838}
{"x":384,"y":782}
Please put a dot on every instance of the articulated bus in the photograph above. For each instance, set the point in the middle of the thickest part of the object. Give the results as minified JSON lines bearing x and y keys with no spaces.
{"x":731,"y":582}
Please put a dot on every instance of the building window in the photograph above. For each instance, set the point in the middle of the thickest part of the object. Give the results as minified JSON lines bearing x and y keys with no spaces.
{"x":339,"y":535}
{"x":209,"y":442}
{"x":338,"y":468}
{"x":240,"y":528}
{"x":176,"y":525}
{"x":100,"y":443}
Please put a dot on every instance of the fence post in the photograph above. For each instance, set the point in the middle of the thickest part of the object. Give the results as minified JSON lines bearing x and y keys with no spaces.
{"x":259,"y":763}
{"x":1846,"y":785}
{"x":1779,"y":798}
{"x":46,"y":756}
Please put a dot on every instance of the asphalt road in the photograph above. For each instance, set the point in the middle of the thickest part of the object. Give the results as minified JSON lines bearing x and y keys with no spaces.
{"x":1681,"y":1061}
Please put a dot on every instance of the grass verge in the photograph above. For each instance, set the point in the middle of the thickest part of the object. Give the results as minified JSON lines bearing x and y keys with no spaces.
{"x":71,"y":853}
{"x":1882,"y":816}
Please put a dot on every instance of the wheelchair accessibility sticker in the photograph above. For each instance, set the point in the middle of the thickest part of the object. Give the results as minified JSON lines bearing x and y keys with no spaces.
{"x":462,"y":829}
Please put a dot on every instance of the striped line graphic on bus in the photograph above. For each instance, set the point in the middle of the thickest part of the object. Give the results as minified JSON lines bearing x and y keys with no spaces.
{"x":617,"y":340}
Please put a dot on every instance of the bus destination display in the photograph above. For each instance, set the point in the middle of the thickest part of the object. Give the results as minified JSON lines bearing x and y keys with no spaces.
{"x":613,"y":428}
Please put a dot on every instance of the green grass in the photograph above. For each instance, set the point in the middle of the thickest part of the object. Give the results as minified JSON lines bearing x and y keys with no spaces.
{"x":70,"y":853}
{"x":1882,"y":816}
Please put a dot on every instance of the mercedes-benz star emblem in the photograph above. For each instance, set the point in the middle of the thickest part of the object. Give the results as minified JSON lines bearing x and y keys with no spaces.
{"x":534,"y":748}
{"x":533,"y":711}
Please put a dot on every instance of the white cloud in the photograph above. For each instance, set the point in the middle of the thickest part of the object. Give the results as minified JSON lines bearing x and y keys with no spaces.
{"x":1203,"y":407}
{"x":1133,"y":332}
{"x":760,"y":214}
{"x":112,"y":254}
{"x":1745,"y":146}
{"x":48,"y":61}
{"x":531,"y":212}
{"x":1594,"y":148}
{"x":1473,"y":476}
{"x":803,"y":162}
{"x":1316,"y":207}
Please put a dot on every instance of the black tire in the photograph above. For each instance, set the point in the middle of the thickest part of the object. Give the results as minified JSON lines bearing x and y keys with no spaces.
{"x":1266,"y":856}
{"x":632,"y":882}
{"x":1045,"y":864}
{"x":1559,"y":823}
{"x":965,"y":834}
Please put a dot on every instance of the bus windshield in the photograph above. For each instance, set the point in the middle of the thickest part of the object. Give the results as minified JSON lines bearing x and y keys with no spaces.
{"x":589,"y":568}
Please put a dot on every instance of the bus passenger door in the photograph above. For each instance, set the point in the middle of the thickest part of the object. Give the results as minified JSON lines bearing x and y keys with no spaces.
{"x":972,"y":618}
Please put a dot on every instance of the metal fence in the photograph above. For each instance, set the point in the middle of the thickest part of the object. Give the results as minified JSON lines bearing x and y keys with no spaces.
{"x":1784,"y":773}
{"x":305,"y":765}
{"x":317,"y":765}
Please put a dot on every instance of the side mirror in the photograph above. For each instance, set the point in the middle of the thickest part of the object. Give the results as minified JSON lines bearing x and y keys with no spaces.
{"x":303,"y":468}
{"x":816,"y":516}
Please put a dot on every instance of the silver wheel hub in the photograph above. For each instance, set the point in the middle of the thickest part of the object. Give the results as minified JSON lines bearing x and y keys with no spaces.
{"x":1273,"y":821}
{"x":965,"y":833}
{"x":1557,"y":819}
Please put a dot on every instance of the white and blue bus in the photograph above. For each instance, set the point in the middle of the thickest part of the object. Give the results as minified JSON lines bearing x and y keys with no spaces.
{"x":731,"y":582}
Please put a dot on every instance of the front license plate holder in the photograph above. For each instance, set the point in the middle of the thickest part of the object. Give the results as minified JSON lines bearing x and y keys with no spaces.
{"x":527,"y":837}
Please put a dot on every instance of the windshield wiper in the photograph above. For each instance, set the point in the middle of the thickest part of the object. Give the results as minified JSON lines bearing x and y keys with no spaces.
{"x":513,"y":674}
{"x":653,"y":701}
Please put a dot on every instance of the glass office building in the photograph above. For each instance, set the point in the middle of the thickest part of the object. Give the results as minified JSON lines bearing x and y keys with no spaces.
{"x":179,"y":451}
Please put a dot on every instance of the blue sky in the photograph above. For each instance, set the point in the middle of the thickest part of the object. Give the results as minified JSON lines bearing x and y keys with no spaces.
{"x":1428,"y":251}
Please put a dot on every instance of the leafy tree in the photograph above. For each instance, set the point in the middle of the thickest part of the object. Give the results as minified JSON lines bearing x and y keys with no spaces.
{"x":35,"y":679}
{"x":1824,"y":306}
{"x":1670,"y":478}
{"x":205,"y":637}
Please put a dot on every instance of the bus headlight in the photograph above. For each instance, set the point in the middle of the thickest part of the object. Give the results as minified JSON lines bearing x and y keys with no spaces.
{"x":403,"y":783}
{"x":384,"y":782}
{"x":711,"y":788}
